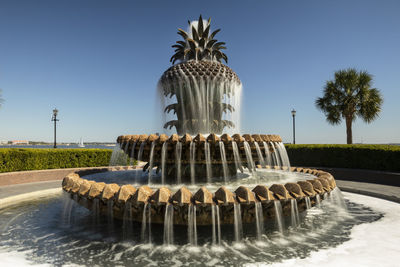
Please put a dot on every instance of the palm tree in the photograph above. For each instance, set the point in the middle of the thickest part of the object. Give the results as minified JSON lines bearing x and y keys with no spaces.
{"x":350,"y":96}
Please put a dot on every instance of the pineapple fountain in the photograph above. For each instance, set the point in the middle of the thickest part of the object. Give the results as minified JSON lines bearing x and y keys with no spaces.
{"x":203,"y":176}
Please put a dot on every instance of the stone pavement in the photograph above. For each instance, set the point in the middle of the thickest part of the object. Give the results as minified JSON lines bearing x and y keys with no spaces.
{"x":387,"y":192}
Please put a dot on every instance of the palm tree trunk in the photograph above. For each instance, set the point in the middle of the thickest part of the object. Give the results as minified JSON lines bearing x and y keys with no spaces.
{"x":349,"y":131}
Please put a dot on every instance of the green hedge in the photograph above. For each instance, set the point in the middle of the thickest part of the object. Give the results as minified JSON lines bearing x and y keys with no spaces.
{"x":374,"y":157}
{"x":23,"y":159}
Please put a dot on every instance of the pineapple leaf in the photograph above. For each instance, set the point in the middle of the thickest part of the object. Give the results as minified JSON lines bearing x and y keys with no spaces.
{"x":200,"y":26}
{"x":183,"y":33}
{"x":206,"y":32}
{"x":202,"y":42}
{"x":214,"y":33}
{"x":192,"y":44}
{"x":211,"y":43}
{"x":194,"y":34}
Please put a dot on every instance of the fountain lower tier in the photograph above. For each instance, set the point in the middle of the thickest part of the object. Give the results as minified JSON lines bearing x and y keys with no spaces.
{"x":204,"y":156}
{"x":128,"y":202}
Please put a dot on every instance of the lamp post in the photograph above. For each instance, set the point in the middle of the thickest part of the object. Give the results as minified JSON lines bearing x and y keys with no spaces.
{"x":294,"y":126}
{"x":54,"y":118}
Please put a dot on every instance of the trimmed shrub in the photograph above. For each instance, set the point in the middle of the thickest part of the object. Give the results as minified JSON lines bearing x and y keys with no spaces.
{"x":24,"y":159}
{"x":373,"y":157}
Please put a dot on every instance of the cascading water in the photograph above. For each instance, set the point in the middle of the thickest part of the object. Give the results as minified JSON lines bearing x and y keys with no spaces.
{"x":283,"y":155}
{"x":151,"y":161}
{"x":178,"y":154}
{"x":201,"y":105}
{"x":163,"y":159}
{"x":259,"y":220}
{"x":223,"y":159}
{"x":259,"y":154}
{"x":237,"y":218}
{"x":279,"y":215}
{"x":308,"y":202}
{"x":238,"y":162}
{"x":192,"y":225}
{"x":318,"y":200}
{"x":275,"y":155}
{"x":268,"y":160}
{"x":250,"y":162}
{"x":208,"y":161}
{"x":294,"y":213}
{"x":144,"y":219}
{"x":192,"y":153}
{"x":169,"y":225}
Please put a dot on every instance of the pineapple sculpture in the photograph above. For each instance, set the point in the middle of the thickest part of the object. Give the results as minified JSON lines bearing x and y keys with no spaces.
{"x":204,"y":92}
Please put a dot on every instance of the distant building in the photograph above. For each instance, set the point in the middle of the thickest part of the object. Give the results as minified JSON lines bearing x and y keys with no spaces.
{"x":20,"y":142}
{"x":3,"y":142}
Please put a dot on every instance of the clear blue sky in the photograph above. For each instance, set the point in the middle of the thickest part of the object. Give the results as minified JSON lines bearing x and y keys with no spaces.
{"x":98,"y":62}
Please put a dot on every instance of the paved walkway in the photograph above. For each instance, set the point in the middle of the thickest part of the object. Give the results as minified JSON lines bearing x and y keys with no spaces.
{"x":387,"y":192}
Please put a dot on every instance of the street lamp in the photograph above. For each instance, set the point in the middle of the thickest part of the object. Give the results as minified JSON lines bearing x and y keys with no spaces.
{"x":294,"y":126}
{"x":54,"y":118}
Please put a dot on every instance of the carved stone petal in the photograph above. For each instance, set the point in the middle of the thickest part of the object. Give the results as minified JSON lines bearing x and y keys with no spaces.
{"x":125,"y":193}
{"x":85,"y":187}
{"x":263,"y":193}
{"x":152,"y":138}
{"x":162,"y":138}
{"x":226,"y":138}
{"x":70,"y":181}
{"x":248,"y":138}
{"x":238,"y":138}
{"x":143,"y":137}
{"x":109,"y":191}
{"x":96,"y":189}
{"x":325,"y":184}
{"x":161,"y":196}
{"x":213,"y":138}
{"x":173,"y":139}
{"x":244,"y":195}
{"x":224,"y":196}
{"x":265,"y":138}
{"x":200,"y":139}
{"x":203,"y":196}
{"x":76,"y":185}
{"x":133,"y":138}
{"x":294,"y":189}
{"x":279,"y":191}
{"x":257,"y":137}
{"x":307,"y":188}
{"x":182,"y":196}
{"x":65,"y":182}
{"x":317,"y":186}
{"x":187,"y":138}
{"x":142,"y":194}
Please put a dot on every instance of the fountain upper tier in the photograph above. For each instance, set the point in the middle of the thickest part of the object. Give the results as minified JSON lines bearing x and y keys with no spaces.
{"x":204,"y":95}
{"x":203,"y":158}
